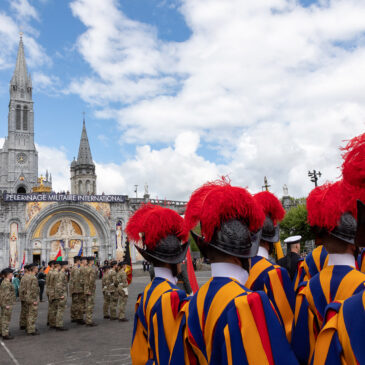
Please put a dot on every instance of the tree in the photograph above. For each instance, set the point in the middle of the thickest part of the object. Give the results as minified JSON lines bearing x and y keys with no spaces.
{"x":296,"y":223}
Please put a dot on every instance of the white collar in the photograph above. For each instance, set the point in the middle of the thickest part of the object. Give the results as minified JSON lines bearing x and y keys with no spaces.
{"x":165,"y":273}
{"x":263,"y":252}
{"x":341,"y":259}
{"x":228,"y":270}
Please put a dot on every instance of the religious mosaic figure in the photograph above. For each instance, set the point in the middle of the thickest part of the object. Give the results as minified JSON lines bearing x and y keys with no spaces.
{"x":13,"y":249}
{"x":119,"y":242}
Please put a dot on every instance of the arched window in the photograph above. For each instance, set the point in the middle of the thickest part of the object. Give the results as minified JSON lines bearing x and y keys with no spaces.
{"x":21,"y":190}
{"x":25,"y":118}
{"x":17,"y":117}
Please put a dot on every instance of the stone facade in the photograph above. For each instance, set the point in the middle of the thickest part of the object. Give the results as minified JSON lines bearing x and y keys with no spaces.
{"x":37,"y":230}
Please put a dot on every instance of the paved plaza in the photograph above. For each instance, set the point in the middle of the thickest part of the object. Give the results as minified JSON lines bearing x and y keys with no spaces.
{"x":108,"y":343}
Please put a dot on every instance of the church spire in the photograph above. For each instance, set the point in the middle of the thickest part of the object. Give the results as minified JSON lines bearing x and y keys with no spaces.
{"x":84,"y":157}
{"x":20,"y":75}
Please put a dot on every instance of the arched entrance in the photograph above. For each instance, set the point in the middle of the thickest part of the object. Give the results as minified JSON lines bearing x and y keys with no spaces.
{"x":69,"y":230}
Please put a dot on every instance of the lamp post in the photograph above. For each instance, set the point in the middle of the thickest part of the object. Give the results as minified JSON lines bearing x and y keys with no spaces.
{"x":314,"y":176}
{"x":266,"y":185}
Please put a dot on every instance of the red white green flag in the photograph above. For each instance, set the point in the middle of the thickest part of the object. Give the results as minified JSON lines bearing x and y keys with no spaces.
{"x":58,"y":256}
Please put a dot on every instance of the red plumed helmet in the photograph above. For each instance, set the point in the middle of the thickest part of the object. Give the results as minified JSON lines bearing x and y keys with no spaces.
{"x":155,"y":223}
{"x":324,"y":205}
{"x":218,"y":202}
{"x":271,"y":206}
{"x":353,"y":167}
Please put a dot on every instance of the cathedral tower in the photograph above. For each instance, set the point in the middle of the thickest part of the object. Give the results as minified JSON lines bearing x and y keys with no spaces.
{"x":83,"y":178}
{"x":19,"y":157}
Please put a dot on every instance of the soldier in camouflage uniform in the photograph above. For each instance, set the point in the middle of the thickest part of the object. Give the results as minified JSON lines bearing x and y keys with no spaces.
{"x":89,"y":291}
{"x":60,"y":295}
{"x":75,"y":290}
{"x":113,"y":290}
{"x":7,"y":300}
{"x":32,"y":298}
{"x":122,"y":292}
{"x":105,"y":289}
{"x":82,"y":297}
{"x":50,"y":278}
{"x":23,"y":303}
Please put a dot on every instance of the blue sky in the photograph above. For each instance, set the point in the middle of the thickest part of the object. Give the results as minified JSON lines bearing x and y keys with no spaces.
{"x":180,"y":92}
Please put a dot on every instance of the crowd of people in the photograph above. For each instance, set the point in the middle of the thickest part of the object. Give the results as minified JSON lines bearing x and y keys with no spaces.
{"x":253,"y":311}
{"x":78,"y":282}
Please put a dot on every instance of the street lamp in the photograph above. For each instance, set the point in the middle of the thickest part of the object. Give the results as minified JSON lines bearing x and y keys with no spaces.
{"x":314,"y":176}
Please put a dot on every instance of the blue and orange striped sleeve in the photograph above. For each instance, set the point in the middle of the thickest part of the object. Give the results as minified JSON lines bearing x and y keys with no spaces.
{"x":140,"y":349}
{"x":305,"y":328}
{"x":300,"y":275}
{"x":328,"y":349}
{"x":280,"y":291}
{"x":166,"y":335}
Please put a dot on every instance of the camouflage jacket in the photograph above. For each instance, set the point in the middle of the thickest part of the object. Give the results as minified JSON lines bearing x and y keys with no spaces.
{"x":7,"y":294}
{"x":23,"y":287}
{"x":60,"y":285}
{"x":113,"y":281}
{"x":32,"y":291}
{"x":105,"y":283}
{"x":50,"y":283}
{"x":89,"y":279}
{"x":122,"y":279}
{"x":75,"y":281}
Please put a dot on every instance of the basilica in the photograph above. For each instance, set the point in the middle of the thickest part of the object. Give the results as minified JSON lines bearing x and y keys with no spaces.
{"x":36,"y":222}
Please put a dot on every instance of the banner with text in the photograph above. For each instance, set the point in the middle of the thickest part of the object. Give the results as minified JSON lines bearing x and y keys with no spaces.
{"x":10,"y":197}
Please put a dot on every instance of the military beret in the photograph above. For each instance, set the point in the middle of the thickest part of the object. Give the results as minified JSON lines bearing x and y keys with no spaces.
{"x":77,"y":258}
{"x":106,"y":267}
{"x":84,"y":258}
{"x":122,"y":263}
{"x":90,"y":258}
{"x":64,"y":263}
{"x":113,"y":263}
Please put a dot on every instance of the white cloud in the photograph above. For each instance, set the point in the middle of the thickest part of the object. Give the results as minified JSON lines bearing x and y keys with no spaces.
{"x":272,"y":86}
{"x":55,"y":161}
{"x":23,"y":9}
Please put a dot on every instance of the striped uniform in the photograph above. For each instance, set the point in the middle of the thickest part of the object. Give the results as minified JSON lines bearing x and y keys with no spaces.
{"x":332,"y":284}
{"x":341,"y":340}
{"x":142,"y":350}
{"x":361,"y":260}
{"x":275,"y":281}
{"x":313,"y":263}
{"x":228,"y":324}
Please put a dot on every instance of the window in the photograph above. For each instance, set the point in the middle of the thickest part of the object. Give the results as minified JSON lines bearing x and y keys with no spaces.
{"x":25,"y":118}
{"x":21,"y":190}
{"x":17,"y":117}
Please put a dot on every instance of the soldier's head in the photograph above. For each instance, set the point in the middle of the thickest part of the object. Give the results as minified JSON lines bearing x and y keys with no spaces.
{"x":106,"y":268}
{"x":274,"y":213}
{"x":113,"y":264}
{"x":90,"y":260}
{"x":64,"y":265}
{"x":159,"y":236}
{"x":293,"y":244}
{"x":77,"y":260}
{"x":7,"y":273}
{"x":34,"y":268}
{"x":51,"y":264}
{"x":57,"y":265}
{"x":83,"y":261}
{"x":121,"y":265}
{"x":230,"y":222}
